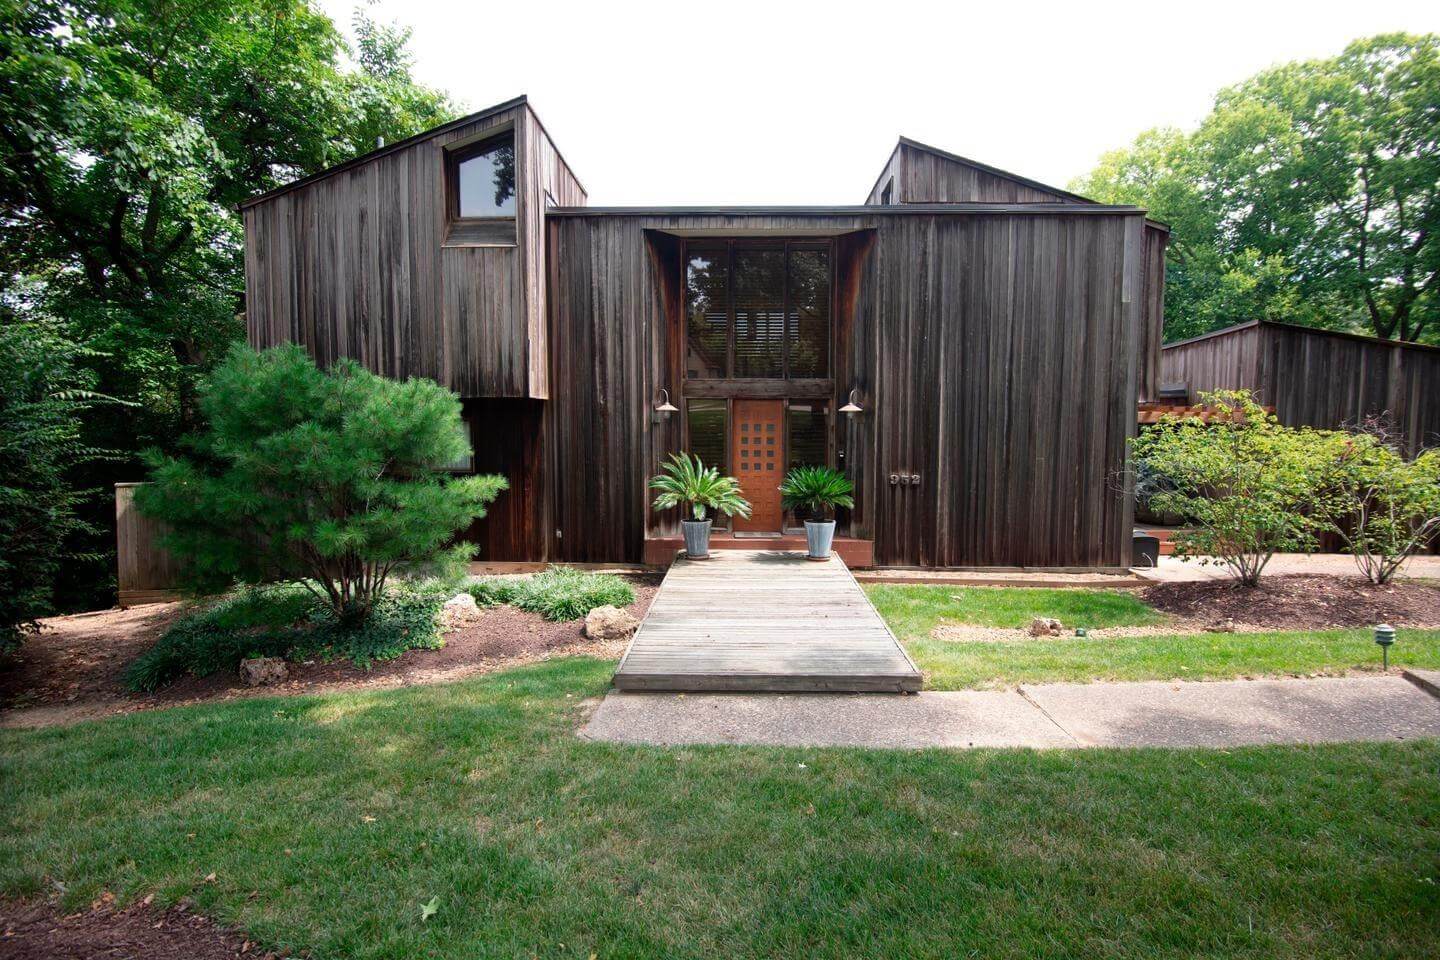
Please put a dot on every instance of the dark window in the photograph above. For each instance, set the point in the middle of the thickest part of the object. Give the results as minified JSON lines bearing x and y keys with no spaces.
{"x":757,"y":311}
{"x":707,"y":427}
{"x":808,"y":424}
{"x":485,"y":179}
{"x":464,"y":464}
{"x":707,"y":278}
{"x":887,"y":194}
{"x":760,"y":313}
{"x":808,"y":324}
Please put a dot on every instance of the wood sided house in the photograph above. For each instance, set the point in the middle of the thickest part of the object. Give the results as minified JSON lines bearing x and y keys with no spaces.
{"x":995,"y":334}
{"x":1314,"y":378}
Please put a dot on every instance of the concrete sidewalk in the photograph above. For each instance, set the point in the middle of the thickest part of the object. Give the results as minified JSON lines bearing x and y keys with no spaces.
{"x":1156,"y":714}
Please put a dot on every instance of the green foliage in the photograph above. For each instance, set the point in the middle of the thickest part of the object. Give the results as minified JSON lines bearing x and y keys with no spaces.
{"x":286,"y":620}
{"x":688,"y":483}
{"x":1243,"y":481}
{"x":1307,"y":195}
{"x":560,"y":593}
{"x":493,"y":591}
{"x":44,"y":394}
{"x":816,"y":490}
{"x":1383,"y":507}
{"x":331,"y":478}
{"x":130,"y":130}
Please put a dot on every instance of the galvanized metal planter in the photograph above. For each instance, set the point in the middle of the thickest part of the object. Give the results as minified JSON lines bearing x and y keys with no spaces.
{"x":697,"y":538}
{"x":819,"y":534}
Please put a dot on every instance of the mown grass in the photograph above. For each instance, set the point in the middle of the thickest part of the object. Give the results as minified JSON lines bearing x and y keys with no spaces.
{"x":914,"y":612}
{"x":951,"y":665}
{"x":328,"y":820}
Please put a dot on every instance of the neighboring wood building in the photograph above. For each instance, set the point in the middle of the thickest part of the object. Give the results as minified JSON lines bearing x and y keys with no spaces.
{"x":1317,"y":378}
{"x":996,"y":334}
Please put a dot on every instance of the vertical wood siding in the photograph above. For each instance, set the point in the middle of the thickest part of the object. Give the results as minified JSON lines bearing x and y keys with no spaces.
{"x":355,"y":264}
{"x":996,"y":356}
{"x":1317,"y":378}
{"x":923,"y":175}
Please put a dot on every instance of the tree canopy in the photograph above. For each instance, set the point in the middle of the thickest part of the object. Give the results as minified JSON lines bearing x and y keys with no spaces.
{"x":1310,"y":194}
{"x":130,"y":130}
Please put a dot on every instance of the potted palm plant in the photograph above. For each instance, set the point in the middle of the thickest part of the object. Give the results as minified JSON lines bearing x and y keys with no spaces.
{"x":688,"y":483}
{"x":817,"y":491}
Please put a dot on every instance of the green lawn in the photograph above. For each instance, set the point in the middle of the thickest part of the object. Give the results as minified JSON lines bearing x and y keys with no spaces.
{"x":914,"y":611}
{"x":537,"y":843}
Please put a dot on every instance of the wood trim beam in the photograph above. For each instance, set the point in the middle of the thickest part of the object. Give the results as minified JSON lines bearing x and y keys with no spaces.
{"x":808,"y":389}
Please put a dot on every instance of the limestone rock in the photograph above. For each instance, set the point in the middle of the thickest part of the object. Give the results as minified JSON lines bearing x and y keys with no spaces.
{"x":609,"y":623}
{"x":1046,"y":627}
{"x":263,"y":671}
{"x":459,"y":609}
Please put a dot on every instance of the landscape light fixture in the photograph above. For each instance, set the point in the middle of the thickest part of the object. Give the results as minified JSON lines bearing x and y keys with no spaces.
{"x":1385,"y":636}
{"x":665,"y":407}
{"x":852,"y":407}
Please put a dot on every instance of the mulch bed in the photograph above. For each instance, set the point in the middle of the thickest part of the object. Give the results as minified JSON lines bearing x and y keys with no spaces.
{"x":37,"y":931}
{"x":74,"y":670}
{"x":1301,"y":602}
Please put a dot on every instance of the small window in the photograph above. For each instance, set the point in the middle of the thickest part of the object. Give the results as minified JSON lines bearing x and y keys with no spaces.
{"x":887,"y":195}
{"x":465,"y":464}
{"x":485,"y":179}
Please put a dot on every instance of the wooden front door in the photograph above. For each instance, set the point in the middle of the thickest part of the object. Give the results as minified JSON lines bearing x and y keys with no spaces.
{"x":757,"y":460}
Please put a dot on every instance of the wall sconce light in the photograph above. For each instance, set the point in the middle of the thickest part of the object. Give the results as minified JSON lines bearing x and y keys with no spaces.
{"x":664,"y":408}
{"x":851,"y":408}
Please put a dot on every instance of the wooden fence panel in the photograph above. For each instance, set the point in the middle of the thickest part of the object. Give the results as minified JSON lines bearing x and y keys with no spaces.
{"x":147,"y":573}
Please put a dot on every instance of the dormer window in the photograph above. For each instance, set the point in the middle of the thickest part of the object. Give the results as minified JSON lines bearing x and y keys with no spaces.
{"x":485,"y":179}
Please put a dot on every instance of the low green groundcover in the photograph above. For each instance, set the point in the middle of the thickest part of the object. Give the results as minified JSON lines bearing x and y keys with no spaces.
{"x":285,"y":620}
{"x":560,"y":593}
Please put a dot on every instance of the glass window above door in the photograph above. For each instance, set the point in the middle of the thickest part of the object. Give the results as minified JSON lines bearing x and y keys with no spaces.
{"x":757,"y":310}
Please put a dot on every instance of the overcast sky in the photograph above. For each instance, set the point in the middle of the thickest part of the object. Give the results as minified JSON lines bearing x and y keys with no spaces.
{"x":777,"y":102}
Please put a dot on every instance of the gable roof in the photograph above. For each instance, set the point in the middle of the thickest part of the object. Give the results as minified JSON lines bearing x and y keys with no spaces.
{"x":1064,"y":196}
{"x":389,"y":148}
{"x":992,"y":171}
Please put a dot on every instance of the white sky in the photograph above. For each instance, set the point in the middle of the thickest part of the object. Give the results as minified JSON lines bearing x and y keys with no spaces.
{"x":737,"y":102}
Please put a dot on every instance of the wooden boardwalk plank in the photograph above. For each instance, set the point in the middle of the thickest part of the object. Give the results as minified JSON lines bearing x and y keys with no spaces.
{"x":764,"y":620}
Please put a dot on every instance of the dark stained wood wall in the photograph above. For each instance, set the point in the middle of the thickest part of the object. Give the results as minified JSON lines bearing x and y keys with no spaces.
{"x":924,"y":174}
{"x":1229,"y":361}
{"x":508,"y":438}
{"x":360,"y":263}
{"x":1318,"y":378}
{"x":996,"y":355}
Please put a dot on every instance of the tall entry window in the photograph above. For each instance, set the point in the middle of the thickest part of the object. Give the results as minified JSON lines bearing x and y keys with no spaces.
{"x":757,"y":310}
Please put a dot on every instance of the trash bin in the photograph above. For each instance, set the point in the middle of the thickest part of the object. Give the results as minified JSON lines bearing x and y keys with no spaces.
{"x":1146,"y":549}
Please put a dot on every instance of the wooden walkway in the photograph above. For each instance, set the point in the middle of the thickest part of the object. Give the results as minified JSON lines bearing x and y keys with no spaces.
{"x":764,"y":620}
